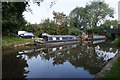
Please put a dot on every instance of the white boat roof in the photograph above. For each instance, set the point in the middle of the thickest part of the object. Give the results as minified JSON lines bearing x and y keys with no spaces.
{"x":61,"y":36}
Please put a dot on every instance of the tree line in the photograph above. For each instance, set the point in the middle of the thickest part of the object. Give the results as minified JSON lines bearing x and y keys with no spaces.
{"x":94,"y":17}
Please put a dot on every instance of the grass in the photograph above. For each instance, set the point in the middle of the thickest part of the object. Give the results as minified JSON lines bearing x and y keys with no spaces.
{"x":8,"y":41}
{"x":115,"y":70}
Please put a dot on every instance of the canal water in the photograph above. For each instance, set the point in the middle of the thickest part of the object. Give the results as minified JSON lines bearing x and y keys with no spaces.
{"x":66,"y":61}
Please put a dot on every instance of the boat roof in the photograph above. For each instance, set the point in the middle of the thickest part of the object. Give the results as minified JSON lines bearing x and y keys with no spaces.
{"x":62,"y":36}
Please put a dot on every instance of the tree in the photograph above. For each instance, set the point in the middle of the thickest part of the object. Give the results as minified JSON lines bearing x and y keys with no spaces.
{"x":108,"y":23}
{"x":12,"y":19}
{"x":91,"y":16}
{"x":105,"y":27}
{"x":34,"y":28}
{"x":78,"y":17}
{"x":61,"y":20}
{"x":98,"y":12}
{"x":59,"y":17}
{"x":49,"y":27}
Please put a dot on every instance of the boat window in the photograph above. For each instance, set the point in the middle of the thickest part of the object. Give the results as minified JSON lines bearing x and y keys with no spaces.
{"x":50,"y":38}
{"x":57,"y":38}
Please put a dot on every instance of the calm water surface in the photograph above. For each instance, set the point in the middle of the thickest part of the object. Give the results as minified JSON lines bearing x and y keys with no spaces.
{"x":68,"y":61}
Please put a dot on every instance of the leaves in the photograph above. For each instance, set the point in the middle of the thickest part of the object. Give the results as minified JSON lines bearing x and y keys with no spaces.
{"x":91,"y":16}
{"x":12,"y":19}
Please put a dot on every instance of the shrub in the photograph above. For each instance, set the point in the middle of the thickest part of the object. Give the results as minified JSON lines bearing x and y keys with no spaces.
{"x":116,"y":42}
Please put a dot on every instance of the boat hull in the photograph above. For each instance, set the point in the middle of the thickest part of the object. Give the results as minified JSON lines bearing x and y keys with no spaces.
{"x":56,"y":43}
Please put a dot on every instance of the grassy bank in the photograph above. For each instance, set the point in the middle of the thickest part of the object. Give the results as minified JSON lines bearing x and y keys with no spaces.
{"x":115,"y":70}
{"x":8,"y":41}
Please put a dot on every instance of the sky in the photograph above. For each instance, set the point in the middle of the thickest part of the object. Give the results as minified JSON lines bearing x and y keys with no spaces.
{"x":44,"y":11}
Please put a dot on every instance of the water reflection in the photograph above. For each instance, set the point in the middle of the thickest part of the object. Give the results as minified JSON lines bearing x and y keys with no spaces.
{"x":75,"y":60}
{"x":104,"y":54}
{"x":14,"y":67}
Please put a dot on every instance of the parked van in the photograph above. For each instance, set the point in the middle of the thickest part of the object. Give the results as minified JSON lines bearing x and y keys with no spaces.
{"x":21,"y":32}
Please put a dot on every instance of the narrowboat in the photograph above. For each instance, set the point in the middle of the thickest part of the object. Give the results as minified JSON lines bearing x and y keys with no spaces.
{"x":93,"y":39}
{"x":57,"y":39}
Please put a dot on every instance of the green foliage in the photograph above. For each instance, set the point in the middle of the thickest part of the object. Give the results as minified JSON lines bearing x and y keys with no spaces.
{"x":97,"y":12}
{"x":49,"y":27}
{"x":108,"y":23}
{"x":36,"y":29}
{"x":80,"y":18}
{"x":90,"y":16}
{"x":12,"y":19}
{"x":59,"y":18}
{"x":74,"y":31}
{"x":62,"y":21}
{"x":106,"y":27}
{"x":116,"y":42}
{"x":119,"y":26}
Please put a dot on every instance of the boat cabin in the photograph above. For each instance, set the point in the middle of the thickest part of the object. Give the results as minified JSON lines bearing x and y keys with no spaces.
{"x":59,"y":37}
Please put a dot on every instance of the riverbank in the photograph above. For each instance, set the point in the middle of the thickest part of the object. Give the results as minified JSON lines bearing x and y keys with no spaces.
{"x":15,"y":42}
{"x":115,"y":71}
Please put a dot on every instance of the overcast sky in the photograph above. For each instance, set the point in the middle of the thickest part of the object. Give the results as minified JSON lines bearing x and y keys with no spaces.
{"x":66,"y":6}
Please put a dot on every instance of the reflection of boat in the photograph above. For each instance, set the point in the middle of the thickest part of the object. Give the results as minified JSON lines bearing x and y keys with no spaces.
{"x":50,"y":50}
{"x":43,"y":52}
{"x":104,"y":54}
{"x":62,"y":48}
{"x":98,"y":41}
{"x":26,"y":51}
{"x":57,"y":40}
{"x":30,"y":51}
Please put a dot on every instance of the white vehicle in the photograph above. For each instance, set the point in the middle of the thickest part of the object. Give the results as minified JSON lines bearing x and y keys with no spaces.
{"x":24,"y":34}
{"x":21,"y":32}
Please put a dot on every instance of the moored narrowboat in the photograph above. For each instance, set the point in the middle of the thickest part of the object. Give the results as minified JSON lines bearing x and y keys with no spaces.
{"x":93,"y":39}
{"x":57,"y":39}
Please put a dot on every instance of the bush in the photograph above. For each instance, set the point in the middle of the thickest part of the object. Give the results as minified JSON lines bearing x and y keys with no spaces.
{"x":74,"y":31}
{"x":116,"y":42}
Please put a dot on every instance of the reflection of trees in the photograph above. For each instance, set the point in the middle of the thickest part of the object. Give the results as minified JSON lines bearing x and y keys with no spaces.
{"x":79,"y":56}
{"x":86,"y":57}
{"x":82,"y":56}
{"x":59,"y":58}
{"x":14,"y":67}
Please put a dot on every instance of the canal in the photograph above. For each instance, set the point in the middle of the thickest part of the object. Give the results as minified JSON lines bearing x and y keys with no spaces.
{"x":67,"y":61}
